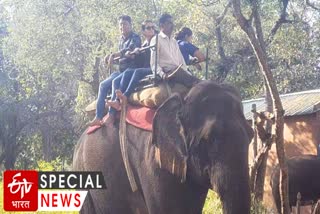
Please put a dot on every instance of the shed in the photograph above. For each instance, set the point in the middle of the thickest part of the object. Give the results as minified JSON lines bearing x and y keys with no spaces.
{"x":301,"y":128}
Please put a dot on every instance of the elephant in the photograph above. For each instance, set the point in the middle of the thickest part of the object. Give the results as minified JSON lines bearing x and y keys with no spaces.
{"x":198,"y":142}
{"x":304,"y":177}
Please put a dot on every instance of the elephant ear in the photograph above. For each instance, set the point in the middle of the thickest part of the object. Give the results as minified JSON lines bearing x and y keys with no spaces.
{"x":169,"y":138}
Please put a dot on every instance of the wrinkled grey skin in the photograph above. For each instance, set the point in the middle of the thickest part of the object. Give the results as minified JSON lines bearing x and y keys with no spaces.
{"x":207,"y":128}
{"x":304,"y":177}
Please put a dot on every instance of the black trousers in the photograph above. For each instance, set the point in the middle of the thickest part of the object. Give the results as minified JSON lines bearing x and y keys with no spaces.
{"x":184,"y":78}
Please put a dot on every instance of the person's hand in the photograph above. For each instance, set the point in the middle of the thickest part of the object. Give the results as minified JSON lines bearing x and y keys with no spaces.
{"x":194,"y":60}
{"x":108,"y":59}
{"x":135,"y":51}
{"x":129,"y":54}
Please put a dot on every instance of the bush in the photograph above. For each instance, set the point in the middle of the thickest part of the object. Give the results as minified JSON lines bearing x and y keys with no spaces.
{"x":54,"y":165}
{"x":213,"y":205}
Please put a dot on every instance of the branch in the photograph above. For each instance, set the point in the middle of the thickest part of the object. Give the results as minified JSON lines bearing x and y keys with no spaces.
{"x":219,"y":34}
{"x":218,"y":31}
{"x":282,"y":20}
{"x":257,"y":22}
{"x":223,"y":14}
{"x":225,"y":64}
{"x":258,"y":160}
{"x":243,"y":22}
{"x":69,"y":9}
{"x":205,"y":3}
{"x":312,"y":5}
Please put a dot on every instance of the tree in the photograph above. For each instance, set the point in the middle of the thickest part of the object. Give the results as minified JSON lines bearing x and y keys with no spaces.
{"x":255,"y":36}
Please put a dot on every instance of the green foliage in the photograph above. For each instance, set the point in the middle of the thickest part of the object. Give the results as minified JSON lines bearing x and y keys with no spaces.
{"x":31,"y":158}
{"x":212,"y":204}
{"x":54,"y":165}
{"x":258,"y":208}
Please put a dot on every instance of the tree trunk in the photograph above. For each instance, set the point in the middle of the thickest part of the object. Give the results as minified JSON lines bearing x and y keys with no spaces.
{"x":261,"y":171}
{"x":46,"y":142}
{"x":95,"y":81}
{"x":10,"y":153}
{"x":266,"y":71}
{"x":8,"y":136}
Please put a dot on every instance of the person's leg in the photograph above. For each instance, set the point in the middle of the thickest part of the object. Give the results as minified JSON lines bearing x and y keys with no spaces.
{"x":115,"y":86}
{"x":183,"y":77}
{"x":119,"y":84}
{"x":104,"y":87}
{"x":138,"y":75}
{"x":127,"y":75}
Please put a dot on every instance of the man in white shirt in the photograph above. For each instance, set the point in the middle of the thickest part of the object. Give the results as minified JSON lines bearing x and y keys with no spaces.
{"x":169,"y":55}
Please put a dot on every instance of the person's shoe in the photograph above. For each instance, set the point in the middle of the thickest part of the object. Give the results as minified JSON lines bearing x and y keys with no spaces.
{"x":123,"y":98}
{"x":114,"y":104}
{"x":95,"y":122}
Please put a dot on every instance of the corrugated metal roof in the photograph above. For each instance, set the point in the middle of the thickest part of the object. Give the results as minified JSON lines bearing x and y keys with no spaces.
{"x":299,"y":103}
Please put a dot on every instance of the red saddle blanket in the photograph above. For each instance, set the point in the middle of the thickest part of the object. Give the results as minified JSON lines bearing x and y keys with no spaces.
{"x":137,"y":116}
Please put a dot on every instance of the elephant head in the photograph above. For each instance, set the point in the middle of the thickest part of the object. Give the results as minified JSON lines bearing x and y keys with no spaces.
{"x":204,"y":137}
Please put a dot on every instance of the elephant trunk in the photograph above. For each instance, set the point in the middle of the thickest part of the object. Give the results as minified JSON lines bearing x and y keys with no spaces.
{"x":232,"y":185}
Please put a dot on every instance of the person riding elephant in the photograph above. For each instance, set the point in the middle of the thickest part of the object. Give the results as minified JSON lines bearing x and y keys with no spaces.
{"x":123,"y":86}
{"x":189,"y":50}
{"x":170,"y":63}
{"x":198,"y":142}
{"x":127,"y":42}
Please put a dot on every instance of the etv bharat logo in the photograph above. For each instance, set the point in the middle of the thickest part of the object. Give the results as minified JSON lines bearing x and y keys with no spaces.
{"x":22,"y":190}
{"x":17,"y":186}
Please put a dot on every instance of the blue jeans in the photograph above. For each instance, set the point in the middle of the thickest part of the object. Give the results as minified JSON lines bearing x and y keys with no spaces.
{"x":120,"y":82}
{"x":127,"y":81}
{"x":104,"y":87}
{"x":138,"y":75}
